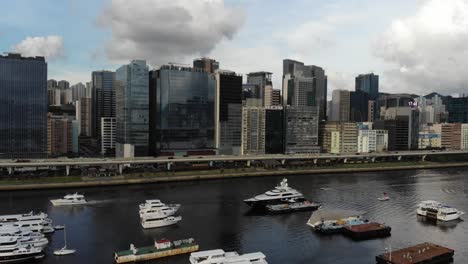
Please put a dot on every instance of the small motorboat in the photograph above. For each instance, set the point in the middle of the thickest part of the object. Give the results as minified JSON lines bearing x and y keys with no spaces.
{"x":385,"y":197}
{"x":59,"y":227}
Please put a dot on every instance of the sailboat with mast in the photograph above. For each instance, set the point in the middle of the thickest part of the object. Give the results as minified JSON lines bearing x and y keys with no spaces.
{"x":64,"y":251}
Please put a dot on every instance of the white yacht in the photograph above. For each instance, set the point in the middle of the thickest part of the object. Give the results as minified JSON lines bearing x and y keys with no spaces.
{"x":219,"y":256}
{"x":281,"y":193}
{"x":26,"y":237}
{"x":32,"y":225}
{"x":157,"y":204}
{"x":439,"y":211}
{"x":13,"y":251}
{"x":70,"y":199}
{"x":153,"y":222}
{"x":23,"y":217}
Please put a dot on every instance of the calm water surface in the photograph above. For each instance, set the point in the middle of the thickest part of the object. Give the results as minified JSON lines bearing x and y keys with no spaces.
{"x":214,"y":214}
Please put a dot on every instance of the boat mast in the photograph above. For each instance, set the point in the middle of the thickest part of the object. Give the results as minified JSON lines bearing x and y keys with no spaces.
{"x":65,"y":236}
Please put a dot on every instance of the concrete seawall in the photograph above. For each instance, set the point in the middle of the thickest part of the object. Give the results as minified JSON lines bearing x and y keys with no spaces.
{"x":122,"y":181}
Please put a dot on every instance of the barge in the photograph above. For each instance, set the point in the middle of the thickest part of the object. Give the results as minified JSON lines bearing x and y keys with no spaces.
{"x":425,"y":253}
{"x":161,"y":248}
{"x":367,"y":231}
{"x":293,"y":206}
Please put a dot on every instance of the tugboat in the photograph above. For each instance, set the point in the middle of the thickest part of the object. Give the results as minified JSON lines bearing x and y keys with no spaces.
{"x":280,"y":194}
{"x":292,"y":205}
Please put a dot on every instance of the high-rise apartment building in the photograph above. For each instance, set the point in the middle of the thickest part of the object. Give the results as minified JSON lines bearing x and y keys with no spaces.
{"x":253,"y":130}
{"x":206,"y":64}
{"x":59,"y":135}
{"x":182,"y":111}
{"x":340,"y":105}
{"x":370,"y":140}
{"x":84,"y":116}
{"x":132,"y":108}
{"x":103,"y":98}
{"x":23,"y":106}
{"x":276,"y":97}
{"x":339,"y":137}
{"x":108,"y":126}
{"x":78,"y":91}
{"x":63,"y":85}
{"x":451,"y":135}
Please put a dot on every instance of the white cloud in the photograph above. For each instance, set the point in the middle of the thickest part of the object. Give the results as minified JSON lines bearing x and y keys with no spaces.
{"x":427,"y":51}
{"x":50,"y":47}
{"x":167,"y":30}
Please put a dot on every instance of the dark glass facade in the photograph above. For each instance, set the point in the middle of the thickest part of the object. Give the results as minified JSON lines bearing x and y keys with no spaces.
{"x":23,"y":107}
{"x":182,"y":110}
{"x":359,"y":106}
{"x":230,"y":92}
{"x":274,"y":131}
{"x":103,"y":99}
{"x":457,"y":109}
{"x":368,"y":83}
{"x":132,"y":106}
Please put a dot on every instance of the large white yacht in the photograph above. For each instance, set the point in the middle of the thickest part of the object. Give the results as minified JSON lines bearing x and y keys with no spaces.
{"x":219,"y":256}
{"x":26,"y":237}
{"x":23,"y":217}
{"x":43,"y":226}
{"x":439,"y":211}
{"x":13,"y":251}
{"x":157,"y":204}
{"x":70,"y":199}
{"x":153,"y":222}
{"x":281,"y":193}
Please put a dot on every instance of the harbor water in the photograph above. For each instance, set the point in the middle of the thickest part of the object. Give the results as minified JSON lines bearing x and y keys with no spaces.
{"x":214,"y":214}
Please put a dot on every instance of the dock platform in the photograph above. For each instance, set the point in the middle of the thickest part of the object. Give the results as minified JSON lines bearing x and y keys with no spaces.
{"x":367,"y":231}
{"x":426,"y":253}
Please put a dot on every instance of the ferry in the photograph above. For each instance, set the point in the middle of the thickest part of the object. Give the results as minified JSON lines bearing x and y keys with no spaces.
{"x":26,"y":237}
{"x":293,"y":205}
{"x":436,"y":210}
{"x":23,"y":217}
{"x":70,"y":199}
{"x":13,"y":251}
{"x":278,"y":195}
{"x":153,"y":222}
{"x":219,"y":256}
{"x":42,"y":226}
{"x":161,"y":248}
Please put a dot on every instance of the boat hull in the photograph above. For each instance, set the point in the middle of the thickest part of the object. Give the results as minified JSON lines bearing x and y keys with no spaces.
{"x":160,"y":223}
{"x":26,"y":258}
{"x":60,"y":202}
{"x":292,"y":210}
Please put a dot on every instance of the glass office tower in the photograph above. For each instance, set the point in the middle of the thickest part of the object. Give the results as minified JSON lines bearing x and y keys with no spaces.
{"x":132,"y":106}
{"x":23,"y":107}
{"x":182,"y":110}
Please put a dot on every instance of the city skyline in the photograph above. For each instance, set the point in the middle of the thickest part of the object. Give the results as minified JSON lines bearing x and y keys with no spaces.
{"x":77,"y":40}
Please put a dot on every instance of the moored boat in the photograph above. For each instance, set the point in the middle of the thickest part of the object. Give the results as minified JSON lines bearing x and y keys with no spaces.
{"x":161,"y":248}
{"x":219,"y":256}
{"x":280,"y":194}
{"x":436,"y":210}
{"x":153,"y":222}
{"x":13,"y":251}
{"x":293,"y":205}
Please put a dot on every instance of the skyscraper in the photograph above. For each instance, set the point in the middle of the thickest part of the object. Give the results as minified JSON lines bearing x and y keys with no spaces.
{"x":359,"y":106}
{"x":263,"y":81}
{"x":23,"y":106}
{"x":457,"y":108}
{"x":304,"y":85}
{"x":253,"y":130}
{"x":78,"y":91}
{"x":228,"y":97}
{"x":59,"y":135}
{"x":103,"y":99}
{"x":301,"y":129}
{"x":206,"y":64}
{"x":274,"y":130}
{"x":368,"y":83}
{"x":182,"y":111}
{"x":340,"y":105}
{"x":63,"y":85}
{"x":132,"y":109}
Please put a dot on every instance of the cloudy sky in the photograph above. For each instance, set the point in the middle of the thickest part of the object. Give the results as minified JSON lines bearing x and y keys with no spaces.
{"x":415,"y":46}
